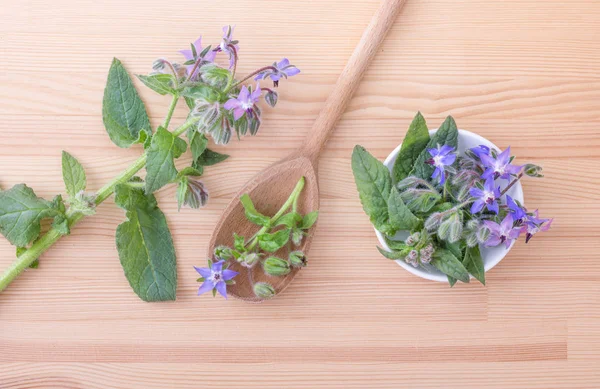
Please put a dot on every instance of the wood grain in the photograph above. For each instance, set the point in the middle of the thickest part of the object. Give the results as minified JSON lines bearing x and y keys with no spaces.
{"x":521,"y":73}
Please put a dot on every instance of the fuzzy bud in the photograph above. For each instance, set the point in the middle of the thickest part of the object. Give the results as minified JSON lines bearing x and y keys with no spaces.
{"x":455,"y":229}
{"x":264,"y":290}
{"x":533,"y":170}
{"x":444,"y":230}
{"x":297,"y":236}
{"x":249,"y":259}
{"x":223,"y":252}
{"x":433,"y":221}
{"x":83,"y":203}
{"x":274,"y":266}
{"x":297,"y":259}
{"x":482,"y":234}
{"x":471,"y":240}
{"x":413,"y":239}
{"x":271,"y":98}
{"x":425,"y":256}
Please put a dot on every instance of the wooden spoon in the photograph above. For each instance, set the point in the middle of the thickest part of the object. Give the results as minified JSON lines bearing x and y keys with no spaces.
{"x":270,"y":188}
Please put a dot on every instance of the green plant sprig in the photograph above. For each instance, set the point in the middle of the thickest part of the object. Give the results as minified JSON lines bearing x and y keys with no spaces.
{"x":282,"y":230}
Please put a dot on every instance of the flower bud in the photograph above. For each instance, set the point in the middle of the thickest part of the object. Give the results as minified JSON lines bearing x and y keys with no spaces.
{"x":159,"y":64}
{"x":253,"y":125}
{"x":274,"y":266}
{"x":533,"y":170}
{"x":424,"y":256}
{"x":482,"y":234}
{"x":412,"y":255}
{"x":455,"y":230}
{"x":271,"y":98}
{"x":413,"y":239}
{"x":297,"y":236}
{"x":223,"y":252}
{"x":413,"y":262}
{"x":433,"y":221}
{"x":471,"y":240}
{"x":297,"y":259}
{"x":444,"y":230}
{"x":264,"y":290}
{"x":248,"y":259}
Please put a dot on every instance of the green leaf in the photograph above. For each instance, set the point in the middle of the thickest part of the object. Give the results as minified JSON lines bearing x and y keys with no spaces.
{"x":454,"y":248}
{"x":252,"y":214}
{"x":61,"y":224}
{"x":414,"y":143}
{"x":309,"y":220}
{"x":374,"y":184}
{"x":474,"y":263}
{"x":20,"y":214}
{"x":191,"y":103}
{"x":160,"y":83}
{"x":35,"y":264}
{"x":209,"y":158}
{"x":200,"y":91}
{"x":239,"y":243}
{"x":273,"y":242}
{"x":290,"y":220}
{"x":448,"y":264}
{"x":401,"y":218}
{"x":396,"y":244}
{"x":447,"y":134}
{"x":145,"y":246}
{"x":198,"y":143}
{"x":123,"y":112}
{"x":165,"y":147}
{"x":189,"y":171}
{"x":394,"y":254}
{"x":73,"y":174}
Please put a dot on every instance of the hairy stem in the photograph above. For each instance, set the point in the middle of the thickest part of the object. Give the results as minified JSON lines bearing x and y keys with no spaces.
{"x":170,"y":111}
{"x":254,"y":73}
{"x":290,"y":201}
{"x":52,"y":236}
{"x":512,"y":183}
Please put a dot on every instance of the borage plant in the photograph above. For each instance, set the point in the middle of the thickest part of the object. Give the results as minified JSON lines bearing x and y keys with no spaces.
{"x":449,"y":203}
{"x":282,"y":231}
{"x":219,"y":105}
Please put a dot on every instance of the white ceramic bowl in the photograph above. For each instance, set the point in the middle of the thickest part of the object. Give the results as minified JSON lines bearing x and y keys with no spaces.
{"x":491,"y":255}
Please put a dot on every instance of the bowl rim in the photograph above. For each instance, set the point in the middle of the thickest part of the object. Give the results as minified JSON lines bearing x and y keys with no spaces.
{"x":517,"y":189}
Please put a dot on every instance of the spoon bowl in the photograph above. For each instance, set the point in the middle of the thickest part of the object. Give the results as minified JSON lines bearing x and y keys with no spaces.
{"x":268,"y":191}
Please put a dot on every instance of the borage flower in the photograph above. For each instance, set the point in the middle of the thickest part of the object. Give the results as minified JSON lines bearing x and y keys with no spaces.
{"x":533,"y":225}
{"x":277,"y":71}
{"x":245,"y":103}
{"x":519,"y":213}
{"x":228,"y":45}
{"x":479,"y":150}
{"x":488,"y":197}
{"x":196,"y":54}
{"x":215,"y":278}
{"x":499,"y":166}
{"x":505,"y":232}
{"x":441,"y":157}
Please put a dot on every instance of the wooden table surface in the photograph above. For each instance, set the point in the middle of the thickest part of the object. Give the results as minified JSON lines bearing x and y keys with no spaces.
{"x":523,"y":73}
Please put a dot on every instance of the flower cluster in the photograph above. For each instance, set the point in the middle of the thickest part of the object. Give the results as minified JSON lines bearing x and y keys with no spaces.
{"x":450,"y":203}
{"x":263,"y":250}
{"x":221,"y":103}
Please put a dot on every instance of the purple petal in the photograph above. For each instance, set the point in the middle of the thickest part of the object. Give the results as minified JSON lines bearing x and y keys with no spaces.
{"x":198,"y":44}
{"x":187,"y":54}
{"x":222,"y":288}
{"x":476,"y":192}
{"x":283,"y":63}
{"x":449,"y":159}
{"x":512,"y":169}
{"x":477,"y":206}
{"x":445,"y":149}
{"x":205,"y":287}
{"x":507,"y":243}
{"x":504,"y":156}
{"x":489,"y":184}
{"x":492,"y":226}
{"x":546,"y":225}
{"x":229,"y":274}
{"x":260,"y":76}
{"x":238,"y":113}
{"x":487,"y":160}
{"x":488,"y":173}
{"x":275,"y":76}
{"x":492,"y":241}
{"x":203,"y":271}
{"x":507,"y":222}
{"x":291,"y":71}
{"x":433,"y":152}
{"x":244,"y":93}
{"x":210,"y":56}
{"x":497,"y":192}
{"x":256,"y":94}
{"x":218,"y":266}
{"x":231,"y":104}
{"x":436,"y":173}
{"x":442,"y":176}
{"x":493,"y":207}
{"x":514,"y":233}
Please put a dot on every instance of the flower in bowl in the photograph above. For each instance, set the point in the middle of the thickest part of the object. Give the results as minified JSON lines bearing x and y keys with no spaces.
{"x":446,"y":204}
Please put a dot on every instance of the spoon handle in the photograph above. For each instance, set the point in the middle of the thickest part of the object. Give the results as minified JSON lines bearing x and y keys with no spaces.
{"x":350,"y":78}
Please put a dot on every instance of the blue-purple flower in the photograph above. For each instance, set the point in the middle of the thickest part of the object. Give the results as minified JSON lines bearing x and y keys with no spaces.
{"x":244,"y":103}
{"x":207,"y":57}
{"x":499,"y":166}
{"x":215,"y":278}
{"x":505,"y":232}
{"x":479,"y":150}
{"x":277,"y":71}
{"x":228,"y":45}
{"x":519,"y":213}
{"x":488,"y":197}
{"x":533,"y":225}
{"x":441,"y":157}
